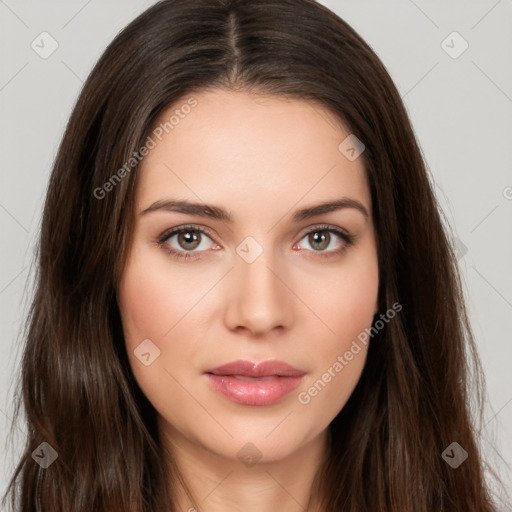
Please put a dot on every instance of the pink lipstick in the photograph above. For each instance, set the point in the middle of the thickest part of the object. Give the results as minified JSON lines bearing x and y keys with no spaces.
{"x":249,"y":383}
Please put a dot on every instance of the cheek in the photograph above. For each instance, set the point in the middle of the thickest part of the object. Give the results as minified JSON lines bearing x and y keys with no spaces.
{"x":152,"y":300}
{"x":346,"y":306}
{"x":347,"y":299}
{"x":162,"y":303}
{"x":152,"y":310}
{"x":143,"y":299}
{"x":149,"y":309}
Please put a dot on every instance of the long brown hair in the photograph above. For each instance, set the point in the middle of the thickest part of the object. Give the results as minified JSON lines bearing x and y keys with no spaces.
{"x":78,"y":392}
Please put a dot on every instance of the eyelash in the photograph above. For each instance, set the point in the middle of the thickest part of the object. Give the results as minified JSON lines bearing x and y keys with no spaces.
{"x":186,"y":255}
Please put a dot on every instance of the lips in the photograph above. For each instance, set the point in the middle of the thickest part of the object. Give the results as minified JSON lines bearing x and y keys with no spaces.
{"x":254,"y":370}
{"x":249,"y":383}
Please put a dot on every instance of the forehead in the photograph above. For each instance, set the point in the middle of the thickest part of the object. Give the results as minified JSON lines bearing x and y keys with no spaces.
{"x":247,"y":150}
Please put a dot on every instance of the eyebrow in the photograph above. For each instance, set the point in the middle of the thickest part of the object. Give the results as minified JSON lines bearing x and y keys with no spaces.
{"x":218,"y":213}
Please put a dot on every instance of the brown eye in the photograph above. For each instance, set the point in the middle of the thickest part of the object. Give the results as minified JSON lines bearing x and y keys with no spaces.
{"x":189,"y":239}
{"x":186,"y":240}
{"x":326,"y":241}
{"x":319,"y":240}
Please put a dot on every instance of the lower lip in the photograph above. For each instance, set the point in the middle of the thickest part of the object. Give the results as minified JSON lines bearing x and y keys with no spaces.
{"x":253,"y":392}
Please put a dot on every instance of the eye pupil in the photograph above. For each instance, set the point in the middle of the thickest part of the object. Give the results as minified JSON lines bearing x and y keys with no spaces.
{"x":185,"y":238}
{"x":319,"y":237}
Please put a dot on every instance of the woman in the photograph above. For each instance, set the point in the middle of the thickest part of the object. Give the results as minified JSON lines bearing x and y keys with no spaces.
{"x":246,"y":298}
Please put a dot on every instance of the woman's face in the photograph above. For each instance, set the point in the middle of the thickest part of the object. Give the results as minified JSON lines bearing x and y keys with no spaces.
{"x":249,"y":273}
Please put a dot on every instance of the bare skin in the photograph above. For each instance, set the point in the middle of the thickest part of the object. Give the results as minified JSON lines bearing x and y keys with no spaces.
{"x":303,"y":300}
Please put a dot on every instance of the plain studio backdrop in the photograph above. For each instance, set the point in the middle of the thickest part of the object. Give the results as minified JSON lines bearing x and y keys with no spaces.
{"x":451,"y":61}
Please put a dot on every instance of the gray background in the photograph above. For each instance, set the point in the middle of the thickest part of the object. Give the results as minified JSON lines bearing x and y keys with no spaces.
{"x":461,"y":109}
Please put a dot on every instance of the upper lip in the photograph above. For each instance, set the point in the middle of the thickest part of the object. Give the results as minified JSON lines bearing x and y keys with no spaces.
{"x":251,"y":369}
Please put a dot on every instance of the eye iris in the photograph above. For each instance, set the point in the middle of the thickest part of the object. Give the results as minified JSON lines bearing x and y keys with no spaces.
{"x":319,"y":237}
{"x":188,"y":237}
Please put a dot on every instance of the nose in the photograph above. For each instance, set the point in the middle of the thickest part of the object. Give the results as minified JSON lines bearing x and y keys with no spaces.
{"x":259,"y":299}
